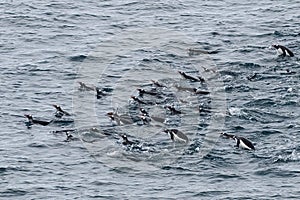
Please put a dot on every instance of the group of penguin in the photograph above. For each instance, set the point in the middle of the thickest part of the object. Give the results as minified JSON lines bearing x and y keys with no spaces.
{"x":59,"y":113}
{"x":174,"y":134}
{"x":157,"y":92}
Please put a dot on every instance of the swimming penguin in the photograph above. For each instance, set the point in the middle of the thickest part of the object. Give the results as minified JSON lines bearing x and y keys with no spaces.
{"x":240,"y":141}
{"x":119,"y":119}
{"x":142,"y":92}
{"x":173,"y":110}
{"x":144,"y":112}
{"x":69,"y":136}
{"x":243,"y":143}
{"x":32,"y":121}
{"x":197,"y":91}
{"x":194,"y":79}
{"x":250,"y":78}
{"x":126,"y":141}
{"x":204,"y":110}
{"x":60,"y":112}
{"x":138,"y":100}
{"x":64,"y":131}
{"x":100,"y":93}
{"x":157,"y":84}
{"x":83,"y":86}
{"x":177,"y":135}
{"x":282,"y":50}
{"x":145,"y":119}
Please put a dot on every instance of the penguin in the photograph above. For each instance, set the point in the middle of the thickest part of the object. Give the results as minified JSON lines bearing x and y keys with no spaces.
{"x":243,"y":143}
{"x":32,"y":121}
{"x":250,"y":78}
{"x":204,"y":110}
{"x":173,"y":110}
{"x":83,"y":86}
{"x":138,"y":100}
{"x":197,"y":91}
{"x":126,"y":141}
{"x":282,"y":50}
{"x":119,"y":119}
{"x":240,"y":141}
{"x":100,"y":93}
{"x":157,"y":84}
{"x":64,"y":131}
{"x":144,"y":112}
{"x":145,"y":119}
{"x":69,"y":136}
{"x":60,"y":112}
{"x":194,"y":79}
{"x":177,"y":135}
{"x":142,"y":92}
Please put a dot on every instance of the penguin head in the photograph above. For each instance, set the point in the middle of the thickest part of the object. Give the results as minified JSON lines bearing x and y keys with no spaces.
{"x":99,"y":91}
{"x":228,"y":135}
{"x":29,"y":117}
{"x":111,"y":115}
{"x":166,"y":130}
{"x":69,"y":135}
{"x":81,"y":84}
{"x":276,"y":46}
{"x":141,"y":90}
{"x":168,"y":107}
{"x":134,"y":97}
{"x":57,"y":107}
{"x":124,"y":137}
{"x":143,"y":111}
{"x":181,"y":73}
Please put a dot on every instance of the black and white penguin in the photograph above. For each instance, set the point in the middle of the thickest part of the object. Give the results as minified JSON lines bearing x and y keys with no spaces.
{"x":60,"y":112}
{"x":177,"y":135}
{"x":144,"y":112}
{"x":138,"y":100}
{"x":240,"y":141}
{"x":173,"y":110}
{"x":142,"y":92}
{"x":32,"y":121}
{"x":100,"y":93}
{"x":282,"y":50}
{"x":126,"y":141}
{"x":145,"y":119}
{"x":119,"y":119}
{"x":243,"y":143}
{"x":69,"y":136}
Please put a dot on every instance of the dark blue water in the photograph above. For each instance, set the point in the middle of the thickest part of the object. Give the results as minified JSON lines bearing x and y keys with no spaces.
{"x":48,"y":46}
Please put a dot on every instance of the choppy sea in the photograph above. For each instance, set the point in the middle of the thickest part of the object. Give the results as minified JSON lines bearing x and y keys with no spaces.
{"x":48,"y":47}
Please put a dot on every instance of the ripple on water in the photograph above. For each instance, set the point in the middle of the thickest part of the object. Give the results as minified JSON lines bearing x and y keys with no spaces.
{"x":44,"y":43}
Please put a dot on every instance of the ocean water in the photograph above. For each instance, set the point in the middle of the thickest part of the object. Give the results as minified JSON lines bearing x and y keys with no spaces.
{"x":47,"y":47}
